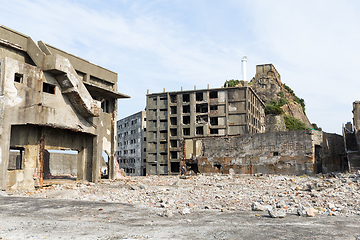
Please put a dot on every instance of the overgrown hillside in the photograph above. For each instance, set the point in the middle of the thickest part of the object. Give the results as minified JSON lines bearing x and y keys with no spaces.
{"x":278,"y":97}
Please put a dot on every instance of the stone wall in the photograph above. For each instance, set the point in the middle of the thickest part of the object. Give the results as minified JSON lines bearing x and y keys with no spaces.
{"x":274,"y":123}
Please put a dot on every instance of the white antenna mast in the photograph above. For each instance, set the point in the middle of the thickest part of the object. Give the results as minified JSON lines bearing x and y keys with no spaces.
{"x":243,"y":61}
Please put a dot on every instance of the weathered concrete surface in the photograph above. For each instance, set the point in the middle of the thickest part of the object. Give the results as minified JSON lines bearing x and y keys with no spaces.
{"x":54,"y":100}
{"x":30,"y":218}
{"x":274,"y":123}
{"x":292,"y":152}
{"x":131,"y":144}
{"x":196,"y":113}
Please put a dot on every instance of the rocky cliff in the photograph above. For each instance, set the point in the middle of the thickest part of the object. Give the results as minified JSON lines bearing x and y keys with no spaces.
{"x":268,"y":87}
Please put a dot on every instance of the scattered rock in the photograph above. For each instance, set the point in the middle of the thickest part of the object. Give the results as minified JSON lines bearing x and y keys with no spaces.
{"x":276,"y":213}
{"x":255,"y":206}
{"x":310,"y":213}
{"x":185,"y":211}
{"x":168,"y":213}
{"x":301,"y":211}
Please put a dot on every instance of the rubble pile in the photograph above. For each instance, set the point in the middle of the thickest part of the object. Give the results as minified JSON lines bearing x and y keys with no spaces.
{"x":332,"y":194}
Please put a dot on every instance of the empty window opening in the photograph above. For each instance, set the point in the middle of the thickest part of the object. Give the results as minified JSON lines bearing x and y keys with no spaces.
{"x":16,"y":158}
{"x":213,"y":107}
{"x":276,"y":153}
{"x":202,"y":119}
{"x":173,"y":98}
{"x":186,"y":119}
{"x":186,"y":131}
{"x":173,"y":143}
{"x":186,"y":109}
{"x":199,"y":96}
{"x":186,"y":97}
{"x":60,"y":164}
{"x":217,"y":166}
{"x":48,"y":88}
{"x":175,"y":167}
{"x":105,"y":165}
{"x":199,"y":131}
{"x":173,"y":132}
{"x":18,"y":78}
{"x":201,"y":108}
{"x":105,"y":106}
{"x":192,"y":167}
{"x":173,"y":110}
{"x":144,"y":172}
{"x":173,"y":155}
{"x":173,"y":120}
{"x":214,"y":121}
{"x":214,"y":131}
{"x":214,"y":94}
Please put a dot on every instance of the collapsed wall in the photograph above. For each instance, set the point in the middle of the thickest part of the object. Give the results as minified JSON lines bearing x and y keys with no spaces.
{"x":293,"y":153}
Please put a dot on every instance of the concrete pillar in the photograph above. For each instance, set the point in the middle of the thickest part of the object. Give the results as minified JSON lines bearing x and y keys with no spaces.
{"x":96,"y":156}
{"x":4,"y":154}
{"x":81,"y":159}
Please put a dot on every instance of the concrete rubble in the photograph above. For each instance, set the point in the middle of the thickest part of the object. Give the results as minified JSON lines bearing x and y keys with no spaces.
{"x":331,"y":194}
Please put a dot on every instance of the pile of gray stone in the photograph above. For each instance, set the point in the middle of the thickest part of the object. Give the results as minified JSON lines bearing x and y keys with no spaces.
{"x":275,"y":195}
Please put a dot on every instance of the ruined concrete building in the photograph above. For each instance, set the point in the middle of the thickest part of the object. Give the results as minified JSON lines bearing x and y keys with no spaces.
{"x":352,"y":139}
{"x":50,"y":99}
{"x":131,"y":144}
{"x":210,"y":112}
{"x":292,"y":152}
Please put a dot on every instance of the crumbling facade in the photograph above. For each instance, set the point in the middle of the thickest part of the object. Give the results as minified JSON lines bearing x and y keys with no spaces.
{"x":351,"y":136}
{"x":50,"y":99}
{"x":210,"y":112}
{"x":292,"y":152}
{"x":131,"y":144}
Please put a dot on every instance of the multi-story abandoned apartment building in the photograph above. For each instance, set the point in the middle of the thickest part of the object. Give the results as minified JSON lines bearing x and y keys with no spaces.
{"x":131,"y":144}
{"x":171,"y":116}
{"x":52,"y":100}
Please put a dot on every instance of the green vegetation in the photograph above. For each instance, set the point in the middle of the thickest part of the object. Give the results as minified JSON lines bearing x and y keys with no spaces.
{"x":292,"y":123}
{"x":296,"y":98}
{"x":233,"y":82}
{"x":282,"y":102}
{"x":315,"y":127}
{"x":274,"y":107}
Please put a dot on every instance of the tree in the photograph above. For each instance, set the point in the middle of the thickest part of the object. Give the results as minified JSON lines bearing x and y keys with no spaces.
{"x":232,"y":82}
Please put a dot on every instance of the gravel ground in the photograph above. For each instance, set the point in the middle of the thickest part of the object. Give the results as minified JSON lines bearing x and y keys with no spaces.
{"x":207,"y":206}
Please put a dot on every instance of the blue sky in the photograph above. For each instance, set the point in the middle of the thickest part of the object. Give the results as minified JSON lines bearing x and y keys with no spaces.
{"x":159,"y":44}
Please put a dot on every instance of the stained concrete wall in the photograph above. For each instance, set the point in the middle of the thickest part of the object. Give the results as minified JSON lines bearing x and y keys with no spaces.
{"x":53,"y":104}
{"x":195,"y":113}
{"x":63,"y":164}
{"x":292,"y":152}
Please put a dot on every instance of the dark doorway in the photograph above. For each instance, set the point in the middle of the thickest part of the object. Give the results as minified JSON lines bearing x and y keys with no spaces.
{"x":318,"y":162}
